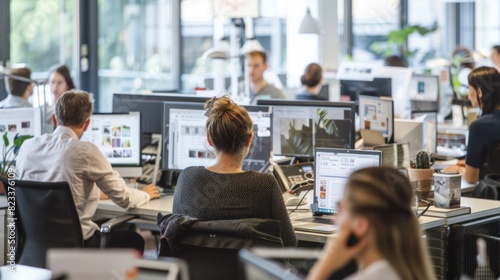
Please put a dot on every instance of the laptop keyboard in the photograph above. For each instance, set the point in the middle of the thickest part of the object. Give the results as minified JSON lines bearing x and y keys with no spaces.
{"x":317,"y":220}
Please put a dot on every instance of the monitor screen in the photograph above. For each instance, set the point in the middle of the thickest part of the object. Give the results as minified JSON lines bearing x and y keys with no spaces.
{"x":332,"y":170}
{"x":352,"y":89}
{"x":424,"y":88}
{"x":151,"y":108}
{"x":117,"y":136}
{"x":429,"y":120}
{"x":18,"y":122}
{"x":186,"y":141}
{"x":411,"y":132}
{"x":377,"y":114}
{"x":300,"y":126}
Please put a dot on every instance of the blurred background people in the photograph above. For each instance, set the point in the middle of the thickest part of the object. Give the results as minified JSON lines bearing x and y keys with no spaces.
{"x":60,"y":81}
{"x":19,"y":91}
{"x":463,"y":63}
{"x":495,"y":56}
{"x":312,"y":81}
{"x":395,"y":61}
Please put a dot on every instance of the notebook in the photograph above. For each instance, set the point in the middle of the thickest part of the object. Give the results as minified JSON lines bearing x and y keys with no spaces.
{"x":331,"y":170}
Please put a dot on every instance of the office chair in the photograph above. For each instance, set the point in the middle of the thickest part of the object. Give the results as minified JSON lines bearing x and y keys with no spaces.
{"x":211,"y":247}
{"x":47,"y":218}
{"x":492,"y":165}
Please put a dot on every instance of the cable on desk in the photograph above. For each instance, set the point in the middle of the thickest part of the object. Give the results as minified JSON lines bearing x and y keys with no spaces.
{"x":302,"y":199}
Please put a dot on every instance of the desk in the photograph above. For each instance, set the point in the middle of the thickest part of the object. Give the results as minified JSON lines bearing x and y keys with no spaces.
{"x":480,"y":208}
{"x":148,"y":211}
{"x":425,"y":224}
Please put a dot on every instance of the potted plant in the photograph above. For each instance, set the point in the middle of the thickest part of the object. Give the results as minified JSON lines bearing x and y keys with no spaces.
{"x":9,"y":154}
{"x":421,"y":172}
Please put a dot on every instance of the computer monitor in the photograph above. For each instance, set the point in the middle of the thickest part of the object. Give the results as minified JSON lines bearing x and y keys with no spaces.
{"x":411,"y":132}
{"x":151,"y":108}
{"x":185,"y":140}
{"x":429,"y":120}
{"x":15,"y":123}
{"x":118,"y":137}
{"x":424,"y":92}
{"x":301,"y":126}
{"x":352,"y":89}
{"x":377,"y":113}
{"x":332,"y":170}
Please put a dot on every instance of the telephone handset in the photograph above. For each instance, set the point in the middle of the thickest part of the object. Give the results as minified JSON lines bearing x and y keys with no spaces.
{"x":290,"y":175}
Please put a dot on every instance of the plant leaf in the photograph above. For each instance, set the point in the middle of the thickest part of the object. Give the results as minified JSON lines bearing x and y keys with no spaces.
{"x":6,"y":141}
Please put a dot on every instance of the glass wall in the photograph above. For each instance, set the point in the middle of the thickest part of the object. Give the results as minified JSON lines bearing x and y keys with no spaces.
{"x":135,"y":47}
{"x":41,"y":36}
{"x":431,"y":15}
{"x":372,"y":22}
{"x":197,"y":29}
{"x":487,"y":24}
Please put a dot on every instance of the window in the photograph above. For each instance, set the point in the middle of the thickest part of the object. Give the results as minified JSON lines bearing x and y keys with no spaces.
{"x":372,"y":21}
{"x":135,"y":48}
{"x":487,"y":24}
{"x":429,"y":14}
{"x":41,"y":36}
{"x":198,"y":36}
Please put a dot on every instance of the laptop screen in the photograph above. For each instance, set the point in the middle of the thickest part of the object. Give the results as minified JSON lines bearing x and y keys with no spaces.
{"x":332,"y":170}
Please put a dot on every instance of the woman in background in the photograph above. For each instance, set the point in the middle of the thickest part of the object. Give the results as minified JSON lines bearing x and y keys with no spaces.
{"x":60,"y":81}
{"x":223,"y":191}
{"x":484,"y":133}
{"x":378,"y":229}
{"x":312,"y":80}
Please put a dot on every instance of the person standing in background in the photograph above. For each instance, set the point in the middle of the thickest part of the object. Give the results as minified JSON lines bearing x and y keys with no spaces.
{"x":19,"y":91}
{"x":495,"y":57}
{"x":312,"y":80}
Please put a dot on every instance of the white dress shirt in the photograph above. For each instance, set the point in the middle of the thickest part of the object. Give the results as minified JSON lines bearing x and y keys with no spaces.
{"x":377,"y":270}
{"x":61,"y":156}
{"x":13,"y":101}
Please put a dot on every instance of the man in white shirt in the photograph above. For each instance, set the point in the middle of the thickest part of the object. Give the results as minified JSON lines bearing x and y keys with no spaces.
{"x":61,"y":156}
{"x":19,"y":91}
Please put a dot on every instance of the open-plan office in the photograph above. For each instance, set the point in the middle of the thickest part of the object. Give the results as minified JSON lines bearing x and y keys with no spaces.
{"x":282,"y":139}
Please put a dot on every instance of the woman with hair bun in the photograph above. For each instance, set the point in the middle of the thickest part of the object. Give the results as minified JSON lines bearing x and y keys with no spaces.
{"x":312,"y":80}
{"x":223,"y":191}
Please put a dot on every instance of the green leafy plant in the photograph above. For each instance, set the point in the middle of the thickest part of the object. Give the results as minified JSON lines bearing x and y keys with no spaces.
{"x":327,"y":124}
{"x":422,"y":161}
{"x":397,"y":39}
{"x":9,"y":152}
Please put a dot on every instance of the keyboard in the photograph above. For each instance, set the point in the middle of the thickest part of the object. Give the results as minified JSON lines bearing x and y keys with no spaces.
{"x":317,"y":220}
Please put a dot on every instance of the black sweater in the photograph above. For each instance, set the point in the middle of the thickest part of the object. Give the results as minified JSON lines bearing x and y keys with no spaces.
{"x":208,"y":195}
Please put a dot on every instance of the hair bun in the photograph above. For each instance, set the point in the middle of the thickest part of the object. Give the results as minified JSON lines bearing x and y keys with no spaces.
{"x":217,"y":106}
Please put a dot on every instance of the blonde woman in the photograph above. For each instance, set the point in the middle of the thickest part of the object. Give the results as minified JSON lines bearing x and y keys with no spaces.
{"x":378,"y":229}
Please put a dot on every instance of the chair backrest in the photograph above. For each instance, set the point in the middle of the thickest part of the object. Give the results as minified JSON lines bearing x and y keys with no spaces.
{"x":211,"y":250}
{"x":492,"y":165}
{"x":46,"y":218}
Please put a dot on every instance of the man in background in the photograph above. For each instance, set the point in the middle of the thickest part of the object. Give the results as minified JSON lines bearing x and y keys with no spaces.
{"x":61,"y":157}
{"x":19,"y":91}
{"x":256,"y":63}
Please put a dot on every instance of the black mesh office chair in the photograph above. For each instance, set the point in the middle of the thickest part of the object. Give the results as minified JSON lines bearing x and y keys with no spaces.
{"x":46,"y":217}
{"x":211,"y":247}
{"x":492,"y":165}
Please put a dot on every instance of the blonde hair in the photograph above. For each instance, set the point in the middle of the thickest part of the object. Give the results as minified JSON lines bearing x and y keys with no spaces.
{"x":228,"y":125}
{"x":73,"y":108}
{"x":383,"y":196}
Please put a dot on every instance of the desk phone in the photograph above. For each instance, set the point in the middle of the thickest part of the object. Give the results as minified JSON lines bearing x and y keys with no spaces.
{"x":289,"y":175}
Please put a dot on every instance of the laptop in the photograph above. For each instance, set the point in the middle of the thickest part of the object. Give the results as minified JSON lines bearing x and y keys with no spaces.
{"x":332,"y":169}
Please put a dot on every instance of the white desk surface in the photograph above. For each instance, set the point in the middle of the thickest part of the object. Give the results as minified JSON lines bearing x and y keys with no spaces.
{"x":480,"y":208}
{"x":148,"y":211}
{"x":425,"y":223}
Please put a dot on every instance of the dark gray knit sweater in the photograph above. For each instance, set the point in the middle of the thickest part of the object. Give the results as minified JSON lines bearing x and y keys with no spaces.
{"x":207,"y":195}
